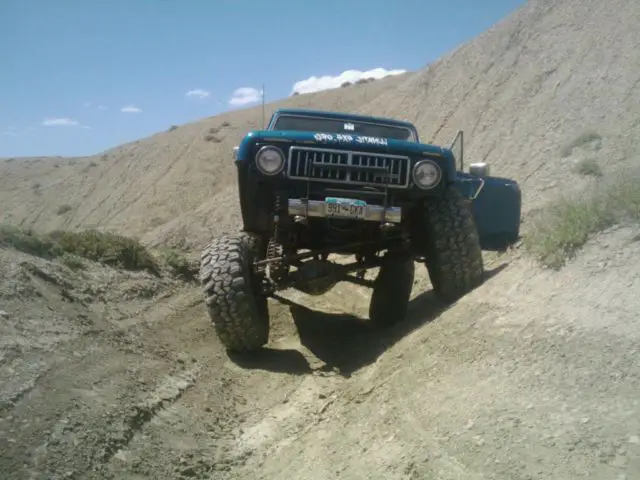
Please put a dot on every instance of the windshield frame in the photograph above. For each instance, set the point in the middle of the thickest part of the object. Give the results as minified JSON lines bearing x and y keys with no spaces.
{"x":413,"y":134}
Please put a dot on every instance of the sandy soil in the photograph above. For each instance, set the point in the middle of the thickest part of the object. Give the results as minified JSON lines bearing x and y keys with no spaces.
{"x":535,"y":381}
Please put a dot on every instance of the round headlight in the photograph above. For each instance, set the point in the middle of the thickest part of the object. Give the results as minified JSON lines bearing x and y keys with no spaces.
{"x":426,"y":174}
{"x":270,"y":160}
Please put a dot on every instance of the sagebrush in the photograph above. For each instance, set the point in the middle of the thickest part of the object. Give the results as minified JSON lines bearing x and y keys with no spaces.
{"x":179,"y":264}
{"x":103,"y":247}
{"x":566,"y":224}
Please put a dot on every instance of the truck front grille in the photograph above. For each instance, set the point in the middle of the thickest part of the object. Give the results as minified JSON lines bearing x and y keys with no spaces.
{"x":345,"y":166}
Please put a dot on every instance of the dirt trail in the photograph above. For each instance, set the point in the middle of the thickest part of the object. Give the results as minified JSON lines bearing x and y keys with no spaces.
{"x":536,"y":380}
{"x":533,"y":381}
{"x":87,"y":360}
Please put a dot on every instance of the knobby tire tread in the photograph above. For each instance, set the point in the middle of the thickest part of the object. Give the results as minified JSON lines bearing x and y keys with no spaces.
{"x":237,"y":308}
{"x":454,"y":256}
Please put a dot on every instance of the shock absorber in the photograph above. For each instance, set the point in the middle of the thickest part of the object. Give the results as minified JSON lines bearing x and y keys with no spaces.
{"x":275,"y":249}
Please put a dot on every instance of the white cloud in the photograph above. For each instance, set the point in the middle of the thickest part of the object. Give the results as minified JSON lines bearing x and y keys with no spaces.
{"x":102,"y":107}
{"x":327,"y":82}
{"x":197,"y":92}
{"x":245,"y":95}
{"x":87,"y":104}
{"x":59,"y":122}
{"x":130,"y":109}
{"x":11,"y":134}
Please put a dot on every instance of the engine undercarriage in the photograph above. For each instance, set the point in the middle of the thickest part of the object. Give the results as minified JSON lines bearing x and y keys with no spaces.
{"x":297,"y":256}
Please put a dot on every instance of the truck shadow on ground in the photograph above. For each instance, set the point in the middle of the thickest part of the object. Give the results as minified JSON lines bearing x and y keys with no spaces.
{"x":344,"y":342}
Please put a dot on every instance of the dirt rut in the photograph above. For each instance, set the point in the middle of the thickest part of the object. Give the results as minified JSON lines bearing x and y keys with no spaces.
{"x":522,"y":379}
{"x":533,"y":375}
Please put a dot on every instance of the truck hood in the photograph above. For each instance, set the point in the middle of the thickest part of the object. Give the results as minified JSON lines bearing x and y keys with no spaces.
{"x":343,"y":141}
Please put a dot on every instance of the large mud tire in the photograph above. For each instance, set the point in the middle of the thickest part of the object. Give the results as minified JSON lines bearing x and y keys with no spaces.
{"x":236,"y":306}
{"x":392,"y":290}
{"x":453,"y":253}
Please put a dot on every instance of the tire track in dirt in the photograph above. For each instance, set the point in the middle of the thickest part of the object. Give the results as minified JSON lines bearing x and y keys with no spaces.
{"x":153,"y":395}
{"x":100,"y":389}
{"x":168,"y":392}
{"x":517,"y":380}
{"x":191,"y":437}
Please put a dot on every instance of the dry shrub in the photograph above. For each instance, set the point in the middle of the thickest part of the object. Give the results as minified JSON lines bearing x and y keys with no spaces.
{"x":559,"y":231}
{"x":103,"y":247}
{"x":179,"y":265}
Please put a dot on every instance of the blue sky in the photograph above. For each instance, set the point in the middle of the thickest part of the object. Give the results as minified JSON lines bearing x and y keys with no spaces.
{"x":69,"y":67}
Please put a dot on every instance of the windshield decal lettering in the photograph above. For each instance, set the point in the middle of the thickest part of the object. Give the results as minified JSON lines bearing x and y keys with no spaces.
{"x":371,"y":140}
{"x":328,"y":137}
{"x":323,"y":137}
{"x":343,"y":138}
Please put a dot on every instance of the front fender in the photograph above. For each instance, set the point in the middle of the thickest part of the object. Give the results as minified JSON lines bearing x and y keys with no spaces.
{"x":496,"y":204}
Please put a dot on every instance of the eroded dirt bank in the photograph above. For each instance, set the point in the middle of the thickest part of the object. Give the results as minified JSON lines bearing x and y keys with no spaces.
{"x":88,"y":359}
{"x":533,"y":375}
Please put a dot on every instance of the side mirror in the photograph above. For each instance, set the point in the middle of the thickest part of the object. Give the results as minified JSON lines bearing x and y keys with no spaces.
{"x":235,"y":152}
{"x":479,"y":169}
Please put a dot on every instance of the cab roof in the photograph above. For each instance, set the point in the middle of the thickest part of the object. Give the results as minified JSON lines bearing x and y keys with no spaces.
{"x":342,"y":116}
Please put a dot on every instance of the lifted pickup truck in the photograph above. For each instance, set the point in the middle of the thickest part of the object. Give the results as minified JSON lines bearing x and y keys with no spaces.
{"x":317,"y":183}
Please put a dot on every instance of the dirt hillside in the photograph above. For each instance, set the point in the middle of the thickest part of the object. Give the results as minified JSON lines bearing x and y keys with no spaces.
{"x":106,"y":373}
{"x":550,"y":75}
{"x":174,"y":187}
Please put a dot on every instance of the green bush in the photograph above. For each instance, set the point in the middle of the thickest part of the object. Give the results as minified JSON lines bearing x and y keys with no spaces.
{"x":72,"y":261}
{"x":179,"y":265}
{"x":107,"y":248}
{"x":28,"y":241}
{"x":566,"y":225}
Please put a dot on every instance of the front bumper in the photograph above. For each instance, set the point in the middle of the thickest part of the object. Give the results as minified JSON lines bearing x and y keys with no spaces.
{"x":317,"y":208}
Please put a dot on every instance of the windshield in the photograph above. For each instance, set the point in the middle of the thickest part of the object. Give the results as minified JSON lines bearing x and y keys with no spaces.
{"x":330,"y":125}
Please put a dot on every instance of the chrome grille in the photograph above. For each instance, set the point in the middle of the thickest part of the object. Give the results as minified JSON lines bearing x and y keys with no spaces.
{"x":344,"y":166}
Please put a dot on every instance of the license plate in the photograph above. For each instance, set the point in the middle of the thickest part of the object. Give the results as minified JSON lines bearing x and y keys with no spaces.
{"x":345,"y":208}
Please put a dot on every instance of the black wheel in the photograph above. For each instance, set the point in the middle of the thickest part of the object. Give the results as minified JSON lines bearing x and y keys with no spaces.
{"x":452,"y":246}
{"x":392,"y":290}
{"x":236,"y":306}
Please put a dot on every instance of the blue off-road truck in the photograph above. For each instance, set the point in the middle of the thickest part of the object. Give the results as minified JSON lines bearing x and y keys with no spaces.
{"x":314,"y":184}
